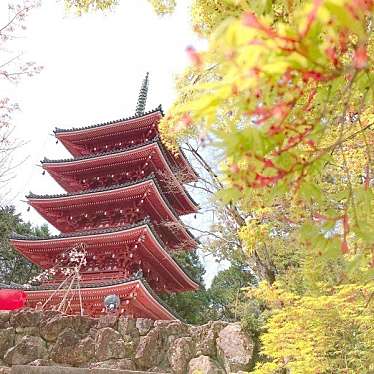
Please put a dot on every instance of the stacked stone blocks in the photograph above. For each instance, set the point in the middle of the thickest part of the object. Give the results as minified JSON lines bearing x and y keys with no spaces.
{"x":30,"y":337}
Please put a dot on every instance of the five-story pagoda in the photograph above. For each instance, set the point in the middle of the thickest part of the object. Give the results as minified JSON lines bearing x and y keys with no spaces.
{"x":119,"y":207}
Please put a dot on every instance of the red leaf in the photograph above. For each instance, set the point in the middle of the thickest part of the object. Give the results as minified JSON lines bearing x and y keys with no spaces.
{"x":360,"y":59}
{"x":331,"y":54}
{"x":234,"y":168}
{"x":194,"y":56}
{"x":311,"y":143}
{"x":343,"y":41}
{"x":250,"y":20}
{"x":320,"y":217}
{"x":280,"y":111}
{"x":263,"y":181}
{"x":186,"y":119}
{"x":268,"y":163}
{"x":311,"y":17}
{"x":274,"y":130}
{"x":345,"y":224}
{"x":344,"y":246}
{"x":314,"y":75}
{"x":235,"y":90}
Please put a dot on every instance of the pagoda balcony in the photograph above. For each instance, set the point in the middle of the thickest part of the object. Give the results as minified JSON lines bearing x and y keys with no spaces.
{"x":124,"y":166}
{"x":110,"y":254}
{"x":120,"y":134}
{"x":113,"y":207}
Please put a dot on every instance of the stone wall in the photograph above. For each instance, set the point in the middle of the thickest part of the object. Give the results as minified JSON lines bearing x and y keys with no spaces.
{"x":29,"y":337}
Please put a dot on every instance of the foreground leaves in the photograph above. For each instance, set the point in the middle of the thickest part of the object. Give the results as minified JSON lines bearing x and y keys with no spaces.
{"x":286,"y":92}
{"x":326,"y":334}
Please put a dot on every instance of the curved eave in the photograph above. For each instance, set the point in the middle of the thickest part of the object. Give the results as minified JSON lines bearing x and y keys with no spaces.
{"x":192,"y":171}
{"x":110,"y":230}
{"x":37,"y":200}
{"x":101,"y":154}
{"x":55,"y":166}
{"x":51,"y":287}
{"x":161,"y":310}
{"x":86,"y":237}
{"x":157,"y":300}
{"x":76,"y":130}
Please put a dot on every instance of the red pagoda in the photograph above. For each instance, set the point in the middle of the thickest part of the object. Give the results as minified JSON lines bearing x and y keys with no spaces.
{"x":123,"y":200}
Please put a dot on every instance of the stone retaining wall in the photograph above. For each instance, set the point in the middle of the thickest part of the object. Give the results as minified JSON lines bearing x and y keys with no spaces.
{"x":29,"y":337}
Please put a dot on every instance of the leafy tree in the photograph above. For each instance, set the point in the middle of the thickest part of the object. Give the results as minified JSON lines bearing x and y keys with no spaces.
{"x":193,"y":306}
{"x":87,"y":5}
{"x":82,"y":6}
{"x":324,"y":333}
{"x":289,"y":100}
{"x":13,"y":69}
{"x":223,"y":300}
{"x":290,"y":105}
{"x":14,"y":267}
{"x":226,"y":291}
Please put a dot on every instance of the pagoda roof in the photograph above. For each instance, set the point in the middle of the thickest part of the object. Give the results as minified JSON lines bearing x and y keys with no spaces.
{"x":151,"y":177}
{"x":126,"y":119}
{"x":38,"y":200}
{"x":61,"y":164}
{"x":102,"y":154}
{"x":51,"y":286}
{"x":77,"y":134}
{"x":108,"y":230}
{"x":147,"y":301}
{"x":38,"y":249}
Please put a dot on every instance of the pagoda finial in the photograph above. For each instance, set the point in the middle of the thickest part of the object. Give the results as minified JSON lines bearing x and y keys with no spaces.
{"x":142,"y":99}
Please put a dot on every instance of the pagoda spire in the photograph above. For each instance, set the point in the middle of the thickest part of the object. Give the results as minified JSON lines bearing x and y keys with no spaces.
{"x":142,"y":99}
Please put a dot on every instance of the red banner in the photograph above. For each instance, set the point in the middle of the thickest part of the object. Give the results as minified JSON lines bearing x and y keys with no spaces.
{"x":12,"y":299}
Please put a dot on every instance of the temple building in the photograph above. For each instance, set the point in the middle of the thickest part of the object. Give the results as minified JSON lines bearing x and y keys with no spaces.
{"x":124,"y":196}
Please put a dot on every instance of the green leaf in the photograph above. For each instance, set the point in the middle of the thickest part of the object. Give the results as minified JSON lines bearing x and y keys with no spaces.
{"x":364,"y":232}
{"x":332,"y":248}
{"x":355,"y":263}
{"x":228,"y":195}
{"x":345,"y":17}
{"x":310,"y":191}
{"x":309,"y":231}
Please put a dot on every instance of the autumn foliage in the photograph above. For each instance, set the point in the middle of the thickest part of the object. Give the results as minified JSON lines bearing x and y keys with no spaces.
{"x":287,"y":92}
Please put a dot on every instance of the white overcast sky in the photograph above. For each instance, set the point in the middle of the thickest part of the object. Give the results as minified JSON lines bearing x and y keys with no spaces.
{"x":93,"y":68}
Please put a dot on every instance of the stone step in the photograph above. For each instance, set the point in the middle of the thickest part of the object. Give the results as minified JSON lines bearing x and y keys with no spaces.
{"x":25,"y":369}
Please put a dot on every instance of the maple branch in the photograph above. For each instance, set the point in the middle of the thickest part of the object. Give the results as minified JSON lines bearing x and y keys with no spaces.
{"x":14,"y":18}
{"x":210,"y":233}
